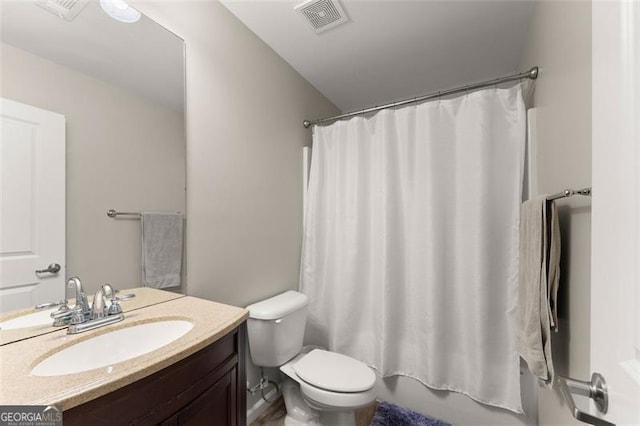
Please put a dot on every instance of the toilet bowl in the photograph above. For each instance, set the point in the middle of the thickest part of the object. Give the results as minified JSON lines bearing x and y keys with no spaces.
{"x":321,"y":387}
{"x":331,"y":385}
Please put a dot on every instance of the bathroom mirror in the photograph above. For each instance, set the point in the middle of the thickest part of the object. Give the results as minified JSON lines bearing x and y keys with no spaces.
{"x":120,"y":87}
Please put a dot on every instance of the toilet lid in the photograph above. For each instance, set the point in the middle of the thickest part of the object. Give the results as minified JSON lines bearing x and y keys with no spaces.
{"x":334,"y":372}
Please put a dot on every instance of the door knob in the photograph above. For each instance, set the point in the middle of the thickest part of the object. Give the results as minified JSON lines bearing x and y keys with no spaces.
{"x":596,"y":389}
{"x":54,"y":268}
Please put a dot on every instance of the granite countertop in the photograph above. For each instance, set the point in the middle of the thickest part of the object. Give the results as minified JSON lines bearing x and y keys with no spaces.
{"x":145,"y":296}
{"x":18,"y":387}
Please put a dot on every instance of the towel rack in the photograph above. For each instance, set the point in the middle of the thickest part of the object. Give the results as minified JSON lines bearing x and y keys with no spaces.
{"x":570,"y":192}
{"x":113,"y":214}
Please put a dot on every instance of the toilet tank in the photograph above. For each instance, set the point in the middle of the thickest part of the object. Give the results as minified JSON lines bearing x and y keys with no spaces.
{"x":276,"y":328}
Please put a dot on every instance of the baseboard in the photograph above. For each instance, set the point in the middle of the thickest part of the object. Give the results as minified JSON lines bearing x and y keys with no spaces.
{"x":260,"y":406}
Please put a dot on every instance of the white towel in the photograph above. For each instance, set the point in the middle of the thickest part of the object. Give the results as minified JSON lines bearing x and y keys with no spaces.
{"x":538,"y":284}
{"x":161,"y":249}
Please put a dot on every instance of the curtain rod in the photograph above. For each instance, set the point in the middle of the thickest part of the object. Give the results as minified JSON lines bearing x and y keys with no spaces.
{"x":531,"y":74}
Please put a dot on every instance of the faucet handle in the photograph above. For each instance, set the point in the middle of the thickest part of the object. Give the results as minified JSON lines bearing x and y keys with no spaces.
{"x":50,"y":304}
{"x":115,"y":307}
{"x":77,"y":315}
{"x":62,"y":315}
{"x":62,"y":311}
{"x":124,"y":297}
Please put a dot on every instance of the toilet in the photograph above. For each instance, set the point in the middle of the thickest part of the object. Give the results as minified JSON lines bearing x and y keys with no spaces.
{"x":321,"y":387}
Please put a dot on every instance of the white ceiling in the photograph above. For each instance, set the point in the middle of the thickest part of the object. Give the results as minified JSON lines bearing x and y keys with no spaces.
{"x":142,"y":57}
{"x":391,"y":50}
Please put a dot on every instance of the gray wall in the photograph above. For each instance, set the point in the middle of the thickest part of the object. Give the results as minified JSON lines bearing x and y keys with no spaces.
{"x":560,"y":43}
{"x":123,"y":152}
{"x":245,"y":107}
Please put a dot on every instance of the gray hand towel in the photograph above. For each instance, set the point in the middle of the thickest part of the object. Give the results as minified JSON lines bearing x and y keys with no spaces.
{"x":161,"y":249}
{"x":538,"y":284}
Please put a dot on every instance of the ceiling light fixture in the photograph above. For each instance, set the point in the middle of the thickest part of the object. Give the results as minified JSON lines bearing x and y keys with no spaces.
{"x":120,"y":10}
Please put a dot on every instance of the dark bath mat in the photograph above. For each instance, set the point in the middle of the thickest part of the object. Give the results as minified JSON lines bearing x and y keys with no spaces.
{"x":388,"y":414}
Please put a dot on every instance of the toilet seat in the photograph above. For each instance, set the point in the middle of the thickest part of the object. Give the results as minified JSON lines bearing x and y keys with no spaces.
{"x":332,"y":381}
{"x":321,"y":399}
{"x":334,"y":372}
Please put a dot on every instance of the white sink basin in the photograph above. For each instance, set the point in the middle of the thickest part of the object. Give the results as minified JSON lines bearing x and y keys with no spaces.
{"x":29,"y":320}
{"x":110,"y":348}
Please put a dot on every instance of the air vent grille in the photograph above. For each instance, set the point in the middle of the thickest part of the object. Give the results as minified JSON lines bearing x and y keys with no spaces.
{"x":67,"y":9}
{"x":322,"y":14}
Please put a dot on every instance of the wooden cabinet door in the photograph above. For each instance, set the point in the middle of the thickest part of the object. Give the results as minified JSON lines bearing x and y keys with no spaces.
{"x":215,"y":406}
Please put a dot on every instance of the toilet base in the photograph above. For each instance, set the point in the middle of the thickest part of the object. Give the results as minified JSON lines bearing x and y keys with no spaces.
{"x":299,"y":413}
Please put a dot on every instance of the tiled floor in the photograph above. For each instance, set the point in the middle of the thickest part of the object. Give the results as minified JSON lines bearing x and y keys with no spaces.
{"x":274,"y":416}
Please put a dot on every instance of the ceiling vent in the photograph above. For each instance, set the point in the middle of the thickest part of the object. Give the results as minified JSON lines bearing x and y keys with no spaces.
{"x":66,"y":9}
{"x":322,"y":14}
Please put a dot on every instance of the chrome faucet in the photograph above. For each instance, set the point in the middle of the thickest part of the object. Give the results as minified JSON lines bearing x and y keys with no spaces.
{"x":75,"y":315}
{"x":100,"y":313}
{"x":104,"y":310}
{"x":99,"y":306}
{"x":81,"y":309}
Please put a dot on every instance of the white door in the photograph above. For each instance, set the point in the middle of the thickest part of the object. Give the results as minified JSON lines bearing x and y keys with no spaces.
{"x":615,"y":285}
{"x":32,"y":205}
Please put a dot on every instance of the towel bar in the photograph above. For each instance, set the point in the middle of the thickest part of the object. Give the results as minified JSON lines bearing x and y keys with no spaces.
{"x":596,"y":389}
{"x":570,"y":192}
{"x":113,"y":213}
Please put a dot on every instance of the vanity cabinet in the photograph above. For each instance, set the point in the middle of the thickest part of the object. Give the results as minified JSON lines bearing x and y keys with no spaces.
{"x":207,"y":388}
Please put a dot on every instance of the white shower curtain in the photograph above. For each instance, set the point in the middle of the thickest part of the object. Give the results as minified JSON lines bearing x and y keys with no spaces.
{"x":410,"y":251}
